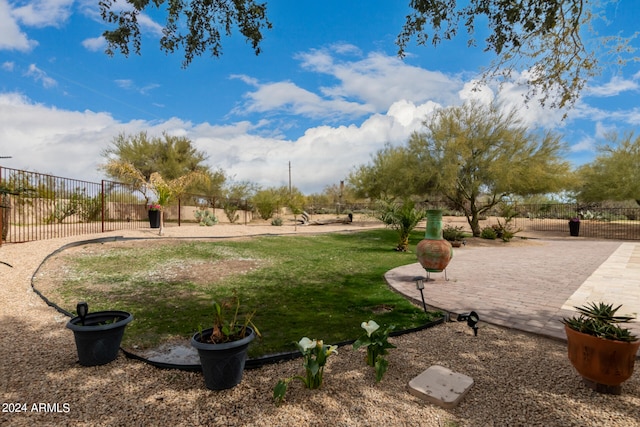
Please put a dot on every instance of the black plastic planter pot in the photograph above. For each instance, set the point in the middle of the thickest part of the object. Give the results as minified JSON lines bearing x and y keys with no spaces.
{"x":222,"y":364}
{"x":98,"y":340}
{"x":154,"y":219}
{"x":574,"y":228}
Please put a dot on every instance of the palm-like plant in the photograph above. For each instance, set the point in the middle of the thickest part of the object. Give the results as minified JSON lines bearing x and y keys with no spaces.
{"x":401,"y":217}
{"x":165,"y":191}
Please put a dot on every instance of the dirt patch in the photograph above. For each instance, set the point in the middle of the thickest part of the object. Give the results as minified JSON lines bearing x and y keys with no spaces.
{"x":59,"y":268}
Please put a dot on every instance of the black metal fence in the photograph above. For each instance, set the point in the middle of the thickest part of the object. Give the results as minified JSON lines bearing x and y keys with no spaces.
{"x":36,"y":206}
{"x":596,"y":221}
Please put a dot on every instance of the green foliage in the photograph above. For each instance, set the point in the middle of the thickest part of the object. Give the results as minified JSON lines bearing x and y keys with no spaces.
{"x":78,"y":203}
{"x":266,"y":202}
{"x":230,"y":208}
{"x":614,"y":174}
{"x":315,"y":354}
{"x":277,"y":222}
{"x":545,"y":36}
{"x":228,"y":323}
{"x":197,"y":27}
{"x":388,"y":176}
{"x":212,"y":189}
{"x":600,"y":321}
{"x":205,"y":218}
{"x":489,"y":233}
{"x":401,"y":217}
{"x":452,"y":233}
{"x":170,"y":156}
{"x":376,"y":341}
{"x":479,"y":155}
{"x":505,"y":229}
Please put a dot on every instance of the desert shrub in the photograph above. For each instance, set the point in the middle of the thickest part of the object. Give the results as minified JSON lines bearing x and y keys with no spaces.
{"x":277,"y":221}
{"x":205,"y":218}
{"x":488,"y":233}
{"x":452,"y":233}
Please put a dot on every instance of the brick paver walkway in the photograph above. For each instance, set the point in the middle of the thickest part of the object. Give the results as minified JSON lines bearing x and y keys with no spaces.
{"x":531,"y":287}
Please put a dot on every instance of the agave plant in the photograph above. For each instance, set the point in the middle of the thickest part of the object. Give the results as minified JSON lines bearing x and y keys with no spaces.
{"x":600,"y":320}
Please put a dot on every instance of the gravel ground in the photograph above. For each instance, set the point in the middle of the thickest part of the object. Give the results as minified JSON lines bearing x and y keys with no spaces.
{"x":520,"y":379}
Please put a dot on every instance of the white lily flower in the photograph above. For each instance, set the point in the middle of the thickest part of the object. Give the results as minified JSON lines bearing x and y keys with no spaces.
{"x":371,"y":326}
{"x":306,"y":344}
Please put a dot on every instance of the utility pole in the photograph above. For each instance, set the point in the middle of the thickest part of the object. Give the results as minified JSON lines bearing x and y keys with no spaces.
{"x":289,"y":178}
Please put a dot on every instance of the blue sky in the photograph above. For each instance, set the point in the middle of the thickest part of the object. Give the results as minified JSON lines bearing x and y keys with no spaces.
{"x":327,"y":92}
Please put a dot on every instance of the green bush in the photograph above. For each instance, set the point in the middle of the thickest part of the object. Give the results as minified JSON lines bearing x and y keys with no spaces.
{"x":488,"y":233}
{"x":452,"y":233}
{"x":277,"y":221}
{"x":205,"y":218}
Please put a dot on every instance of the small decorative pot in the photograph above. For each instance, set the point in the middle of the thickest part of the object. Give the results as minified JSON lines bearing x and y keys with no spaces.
{"x":222,"y":364}
{"x":98,"y":339}
{"x":604,"y":364}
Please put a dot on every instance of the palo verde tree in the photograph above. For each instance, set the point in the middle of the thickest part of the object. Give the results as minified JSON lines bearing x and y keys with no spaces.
{"x":476,"y":155}
{"x":170,"y":156}
{"x":196,"y":26}
{"x":542,"y":37}
{"x":386,"y":177}
{"x":614,"y":174}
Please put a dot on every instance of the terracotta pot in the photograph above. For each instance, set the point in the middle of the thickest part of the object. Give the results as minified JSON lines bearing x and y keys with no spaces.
{"x":599,"y":360}
{"x":433,"y":252}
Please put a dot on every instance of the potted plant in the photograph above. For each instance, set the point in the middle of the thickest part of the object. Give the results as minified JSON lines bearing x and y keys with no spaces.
{"x":574,"y":226}
{"x":600,"y":349}
{"x":98,"y":335}
{"x":154,"y":215}
{"x":223,"y":348}
{"x":454,"y":235}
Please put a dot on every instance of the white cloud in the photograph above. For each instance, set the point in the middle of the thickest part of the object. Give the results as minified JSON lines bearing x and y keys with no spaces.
{"x":379,"y":80}
{"x":587,"y":143}
{"x":131,"y":85}
{"x":44,"y":13}
{"x":8,"y":65}
{"x":69,"y":143}
{"x":40,"y":76}
{"x":11,"y":36}
{"x":94,"y":44}
{"x":614,"y":87}
{"x":288,"y":97}
{"x":602,"y":130}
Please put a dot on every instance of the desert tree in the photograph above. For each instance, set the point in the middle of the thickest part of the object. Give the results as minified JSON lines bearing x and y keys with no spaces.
{"x":170,"y":156}
{"x":615,"y":172}
{"x":476,"y":156}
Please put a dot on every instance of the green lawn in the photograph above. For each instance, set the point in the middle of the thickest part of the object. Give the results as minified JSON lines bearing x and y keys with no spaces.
{"x":320,"y":286}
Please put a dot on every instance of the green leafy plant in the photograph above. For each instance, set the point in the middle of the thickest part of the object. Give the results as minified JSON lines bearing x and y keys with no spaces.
{"x":277,"y":222}
{"x":401,"y":217}
{"x":315,"y":354}
{"x":451,"y":233}
{"x":228,"y":323}
{"x":599,"y":320}
{"x":205,"y":218}
{"x":376,"y":341}
{"x":489,"y":233}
